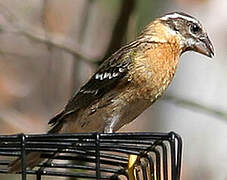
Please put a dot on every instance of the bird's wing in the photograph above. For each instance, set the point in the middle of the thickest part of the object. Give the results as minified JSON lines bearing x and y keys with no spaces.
{"x":108,"y":76}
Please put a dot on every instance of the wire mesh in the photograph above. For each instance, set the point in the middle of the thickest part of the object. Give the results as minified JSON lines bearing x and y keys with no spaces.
{"x":96,"y":155}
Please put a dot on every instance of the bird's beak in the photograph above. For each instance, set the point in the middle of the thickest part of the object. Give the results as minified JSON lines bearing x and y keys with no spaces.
{"x":204,"y":46}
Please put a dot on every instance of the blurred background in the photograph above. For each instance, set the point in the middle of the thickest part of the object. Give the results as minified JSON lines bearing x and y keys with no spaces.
{"x":49,"y":48}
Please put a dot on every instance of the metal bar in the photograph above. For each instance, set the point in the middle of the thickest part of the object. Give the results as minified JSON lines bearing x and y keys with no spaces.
{"x":165,"y":161}
{"x":38,"y":176}
{"x":139,"y":135}
{"x":84,"y":167}
{"x":144,"y":169}
{"x":104,"y":156}
{"x":173,"y":155}
{"x":158,"y":166}
{"x":179,"y":155}
{"x":151,"y":166}
{"x":23,"y":156}
{"x":98,"y":173}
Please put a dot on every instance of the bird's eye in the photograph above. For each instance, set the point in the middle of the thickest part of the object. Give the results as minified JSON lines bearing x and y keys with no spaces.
{"x":195,"y":29}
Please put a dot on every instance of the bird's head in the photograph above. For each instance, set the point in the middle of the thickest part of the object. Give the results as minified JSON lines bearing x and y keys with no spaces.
{"x":188,"y":31}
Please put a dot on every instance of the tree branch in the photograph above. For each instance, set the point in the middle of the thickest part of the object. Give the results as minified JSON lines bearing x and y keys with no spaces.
{"x":196,"y":106}
{"x":120,"y":27}
{"x":58,"y":42}
{"x":18,"y":27}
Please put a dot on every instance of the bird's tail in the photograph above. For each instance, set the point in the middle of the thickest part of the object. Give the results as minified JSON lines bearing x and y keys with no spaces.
{"x":32,"y":159}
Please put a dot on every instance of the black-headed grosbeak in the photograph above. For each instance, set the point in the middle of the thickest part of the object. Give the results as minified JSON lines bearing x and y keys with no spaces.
{"x":132,"y":79}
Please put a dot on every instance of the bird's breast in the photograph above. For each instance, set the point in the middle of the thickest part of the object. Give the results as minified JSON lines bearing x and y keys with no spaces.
{"x":154,"y":69}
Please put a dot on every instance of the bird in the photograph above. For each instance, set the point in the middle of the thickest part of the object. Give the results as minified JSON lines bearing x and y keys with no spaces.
{"x":130,"y":80}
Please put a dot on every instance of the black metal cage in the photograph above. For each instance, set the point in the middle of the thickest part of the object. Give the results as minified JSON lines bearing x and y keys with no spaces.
{"x":146,"y":155}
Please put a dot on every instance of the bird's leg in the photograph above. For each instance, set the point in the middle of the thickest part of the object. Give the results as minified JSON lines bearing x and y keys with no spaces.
{"x":110,"y":123}
{"x":108,"y":130}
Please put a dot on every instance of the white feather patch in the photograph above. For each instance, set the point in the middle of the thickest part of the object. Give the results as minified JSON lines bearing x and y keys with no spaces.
{"x":177,"y":15}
